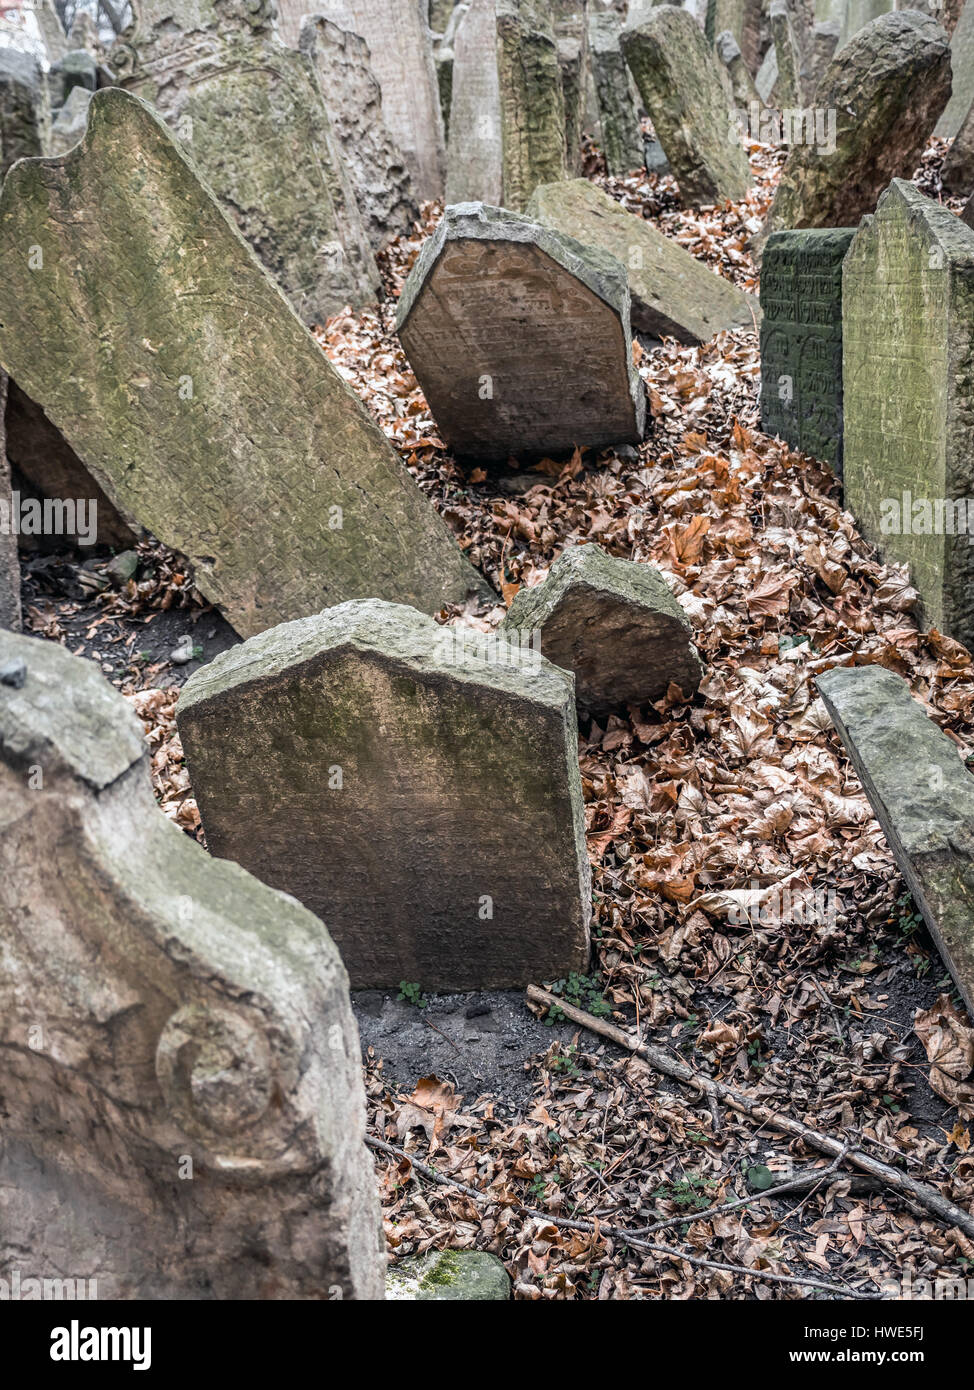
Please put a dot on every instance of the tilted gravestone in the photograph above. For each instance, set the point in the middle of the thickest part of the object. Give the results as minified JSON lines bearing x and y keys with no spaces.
{"x":622,"y":140}
{"x":789,"y":88}
{"x":475,"y":157}
{"x":673,"y":294}
{"x":688,"y":96}
{"x":21,"y":108}
{"x":71,"y":121}
{"x":212,"y":416}
{"x":520,"y":338}
{"x":887,"y":88}
{"x":742,"y":83}
{"x":908,"y":363}
{"x":571,"y":37}
{"x":923,"y":797}
{"x":766,"y":77}
{"x":962,"y":66}
{"x":9,"y":564}
{"x":532,"y":99}
{"x":957,"y":170}
{"x":742,"y":19}
{"x":376,"y":166}
{"x":251,"y":113}
{"x":614,"y":624}
{"x":419,"y":793}
{"x":184,"y":1114}
{"x":801,"y":340}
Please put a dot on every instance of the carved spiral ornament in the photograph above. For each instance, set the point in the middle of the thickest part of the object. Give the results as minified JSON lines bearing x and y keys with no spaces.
{"x":215,"y":1069}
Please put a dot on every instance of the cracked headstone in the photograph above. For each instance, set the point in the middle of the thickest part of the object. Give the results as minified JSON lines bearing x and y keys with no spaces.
{"x":908,"y":350}
{"x":613,"y":623}
{"x":9,"y":562}
{"x":532,"y":99}
{"x":449,"y":1276}
{"x":673,"y":294}
{"x":886,"y":89}
{"x":416,"y":786}
{"x":21,"y":108}
{"x":376,"y":166}
{"x":475,"y":157}
{"x":216,"y":421}
{"x":923,"y":797}
{"x":962,"y":66}
{"x":184,"y":1115}
{"x":688,"y":96}
{"x":251,"y":114}
{"x":520,"y":338}
{"x":622,"y":139}
{"x":801,"y":340}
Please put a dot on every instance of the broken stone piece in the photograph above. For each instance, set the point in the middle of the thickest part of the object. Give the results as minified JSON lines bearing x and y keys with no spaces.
{"x":449,"y":1276}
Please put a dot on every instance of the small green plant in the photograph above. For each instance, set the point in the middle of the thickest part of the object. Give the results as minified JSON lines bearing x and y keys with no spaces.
{"x":582,"y":991}
{"x":410,"y":993}
{"x":562,"y":1061}
{"x":692,"y":1192}
{"x":908,"y":920}
{"x":536,"y":1187}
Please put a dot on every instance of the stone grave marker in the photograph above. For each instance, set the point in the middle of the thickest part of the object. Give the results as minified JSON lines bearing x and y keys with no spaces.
{"x":51,"y":30}
{"x":742,"y":19}
{"x":766,"y":77}
{"x":801,"y":340}
{"x":742,"y":83}
{"x":689,"y":98}
{"x":818,"y":51}
{"x":70,"y":122}
{"x":9,"y":563}
{"x":622,"y":140}
{"x":789,"y":88}
{"x":571,"y":38}
{"x":21,"y":107}
{"x":673,"y":294}
{"x":215,"y":419}
{"x":252,"y":115}
{"x":417,"y":786}
{"x":520,"y":338}
{"x":532,"y":99}
{"x":614,"y":624}
{"x":923,"y":797}
{"x":908,"y":361}
{"x":962,"y":67}
{"x":163,"y":1017}
{"x":957,"y":170}
{"x":475,"y":159}
{"x":858,"y":13}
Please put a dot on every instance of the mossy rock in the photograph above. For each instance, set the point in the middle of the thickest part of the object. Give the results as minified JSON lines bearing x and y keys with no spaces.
{"x":449,"y":1276}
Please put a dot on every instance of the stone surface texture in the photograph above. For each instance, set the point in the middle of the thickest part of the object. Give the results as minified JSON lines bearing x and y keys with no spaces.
{"x":622,"y":140}
{"x":9,"y":563}
{"x":449,"y":1276}
{"x":789,"y":91}
{"x":532,"y":99}
{"x":21,"y":110}
{"x":961,"y":100}
{"x":475,"y":157}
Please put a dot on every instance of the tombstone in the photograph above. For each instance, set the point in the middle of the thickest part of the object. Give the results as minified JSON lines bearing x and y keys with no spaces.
{"x":51,"y":30}
{"x":818,"y":52}
{"x":571,"y":37}
{"x":84,"y":34}
{"x":957,"y":170}
{"x":251,"y":113}
{"x":376,"y":166}
{"x":742,"y":83}
{"x":443,"y":60}
{"x":907,"y":328}
{"x":519,"y":338}
{"x":475,"y":159}
{"x":789,"y":90}
{"x":184,"y":1115}
{"x":9,"y":562}
{"x":742,"y":19}
{"x":21,"y":107}
{"x":532,"y":99}
{"x":962,"y":65}
{"x":71,"y":121}
{"x":621,"y":133}
{"x":766,"y":78}
{"x":923,"y":797}
{"x":859,"y":13}
{"x":612,"y":622}
{"x":76,"y":69}
{"x":401,"y":46}
{"x":886,"y":88}
{"x":673,"y":294}
{"x":439,"y":14}
{"x":216,"y":422}
{"x":415,"y":785}
{"x":801,"y":340}
{"x":688,"y":96}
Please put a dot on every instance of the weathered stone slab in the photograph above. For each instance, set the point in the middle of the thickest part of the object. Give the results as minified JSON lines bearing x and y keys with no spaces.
{"x":801,"y":340}
{"x":614,"y":623}
{"x":422,"y":794}
{"x":766,"y":78}
{"x":77,"y":68}
{"x":21,"y":111}
{"x":571,"y":36}
{"x":742,"y":83}
{"x":859,"y":13}
{"x":967,"y":215}
{"x":818,"y":51}
{"x":449,"y":1276}
{"x":957,"y":170}
{"x":789,"y":92}
{"x":532,"y":99}
{"x":71,"y":121}
{"x":252,"y":115}
{"x":184,"y":1114}
{"x":376,"y":166}
{"x":622,"y":139}
{"x":215,"y":420}
{"x":962,"y":67}
{"x":923,"y":797}
{"x":520,"y":338}
{"x":673,"y":294}
{"x":51,"y":30}
{"x":887,"y":88}
{"x":9,"y":564}
{"x":475,"y":159}
{"x":742,"y":19}
{"x":439,"y":14}
{"x":908,"y":367}
{"x":688,"y":96}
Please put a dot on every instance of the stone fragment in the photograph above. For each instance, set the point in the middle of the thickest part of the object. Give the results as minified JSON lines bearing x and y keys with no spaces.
{"x":622,"y":139}
{"x":967,"y":215}
{"x":475,"y":159}
{"x":417,"y":785}
{"x":571,"y":37}
{"x":21,"y":109}
{"x":859,"y":13}
{"x":673,"y":294}
{"x":741,"y":19}
{"x":962,"y":66}
{"x":688,"y":96}
{"x":532,"y":99}
{"x":887,"y":88}
{"x":766,"y":78}
{"x":957,"y":171}
{"x":520,"y":338}
{"x":923,"y":797}
{"x":163,"y":1016}
{"x":216,"y":421}
{"x":818,"y":52}
{"x":71,"y":121}
{"x":801,"y":340}
{"x":51,"y":30}
{"x":84,"y":34}
{"x":655,"y":158}
{"x":908,"y":367}
{"x":9,"y":563}
{"x":789,"y":90}
{"x":742,"y":83}
{"x":376,"y":166}
{"x":612,"y":622}
{"x":252,"y":115}
{"x":76,"y":69}
{"x":449,"y":1276}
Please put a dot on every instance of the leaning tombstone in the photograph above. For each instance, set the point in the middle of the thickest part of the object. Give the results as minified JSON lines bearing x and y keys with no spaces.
{"x":376,"y":166}
{"x":475,"y":158}
{"x":907,"y":330}
{"x":614,"y":624}
{"x":570,"y":19}
{"x":532,"y":99}
{"x":217,"y":423}
{"x":801,"y":340}
{"x":742,"y":19}
{"x":9,"y":563}
{"x":817,"y":53}
{"x":21,"y":107}
{"x":742,"y":83}
{"x":417,"y":786}
{"x":885,"y":91}
{"x":923,"y":797}
{"x":689,"y":98}
{"x":520,"y":338}
{"x":251,"y":112}
{"x":621,"y":134}
{"x":184,"y":1115}
{"x":789,"y":91}
{"x":70,"y":123}
{"x":673,"y":294}
{"x":766,"y":77}
{"x":962,"y":66}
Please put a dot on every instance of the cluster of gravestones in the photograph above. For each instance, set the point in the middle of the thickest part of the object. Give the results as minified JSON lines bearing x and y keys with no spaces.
{"x":384,"y":798}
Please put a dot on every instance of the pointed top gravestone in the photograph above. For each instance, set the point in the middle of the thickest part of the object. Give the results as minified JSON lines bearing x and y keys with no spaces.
{"x":133,"y":313}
